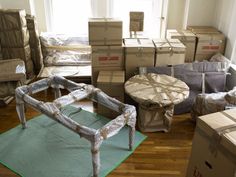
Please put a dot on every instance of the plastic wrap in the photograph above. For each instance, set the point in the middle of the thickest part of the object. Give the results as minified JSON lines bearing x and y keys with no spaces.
{"x":15,"y":38}
{"x":67,"y":58}
{"x":63,"y":50}
{"x":214,"y":102}
{"x":78,"y":92}
{"x":156,"y":89}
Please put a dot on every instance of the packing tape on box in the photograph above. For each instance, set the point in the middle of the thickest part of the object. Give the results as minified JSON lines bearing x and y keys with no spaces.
{"x":151,"y":83}
{"x":215,"y":139}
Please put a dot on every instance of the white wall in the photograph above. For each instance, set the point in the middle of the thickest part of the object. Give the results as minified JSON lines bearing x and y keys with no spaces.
{"x":201,"y":12}
{"x":16,"y":4}
{"x":176,"y":11}
{"x":225,"y":21}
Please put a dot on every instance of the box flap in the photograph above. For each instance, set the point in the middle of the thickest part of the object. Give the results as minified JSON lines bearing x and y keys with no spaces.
{"x":211,"y":37}
{"x":111,"y":77}
{"x":182,"y":35}
{"x":168,"y":45}
{"x":221,"y":128}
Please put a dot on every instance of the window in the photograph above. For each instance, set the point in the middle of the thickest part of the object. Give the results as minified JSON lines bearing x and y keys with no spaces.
{"x":71,"y":16}
{"x":152,"y":14}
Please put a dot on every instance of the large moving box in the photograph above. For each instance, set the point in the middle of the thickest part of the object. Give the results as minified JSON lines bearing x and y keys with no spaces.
{"x":105,"y":58}
{"x":208,"y":45}
{"x":138,"y":53}
{"x":105,"y":31}
{"x":110,"y":56}
{"x":169,"y":52}
{"x":111,"y":83}
{"x":214,"y":146}
{"x":188,"y":39}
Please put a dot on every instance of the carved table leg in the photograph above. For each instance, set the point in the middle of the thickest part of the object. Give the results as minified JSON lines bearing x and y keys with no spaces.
{"x":20,"y":108}
{"x":131,"y":137}
{"x":95,"y":158}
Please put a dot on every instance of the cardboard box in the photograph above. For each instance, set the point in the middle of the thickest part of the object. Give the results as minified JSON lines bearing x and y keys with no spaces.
{"x":111,"y":83}
{"x":138,"y":52}
{"x":136,"y":21}
{"x":21,"y":52}
{"x":12,"y":19}
{"x":107,"y":56}
{"x":95,"y":72}
{"x":169,"y":52}
{"x":208,"y":45}
{"x":12,"y":70}
{"x":214,"y":146}
{"x":106,"y":112}
{"x":15,"y":38}
{"x":188,"y":39}
{"x":105,"y":31}
{"x":202,"y":29}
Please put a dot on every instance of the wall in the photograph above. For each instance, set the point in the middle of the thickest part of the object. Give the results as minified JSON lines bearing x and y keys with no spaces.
{"x":176,"y":12}
{"x":201,"y":12}
{"x":16,"y":4}
{"x":224,"y":20}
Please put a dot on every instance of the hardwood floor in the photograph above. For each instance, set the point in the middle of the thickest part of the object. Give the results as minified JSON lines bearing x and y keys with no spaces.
{"x":160,"y":155}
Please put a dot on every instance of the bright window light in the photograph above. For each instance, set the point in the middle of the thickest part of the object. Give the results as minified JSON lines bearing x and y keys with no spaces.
{"x":71,"y":16}
{"x":152,"y":14}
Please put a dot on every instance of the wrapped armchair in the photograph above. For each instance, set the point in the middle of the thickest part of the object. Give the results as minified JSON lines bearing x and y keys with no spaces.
{"x":213,"y":102}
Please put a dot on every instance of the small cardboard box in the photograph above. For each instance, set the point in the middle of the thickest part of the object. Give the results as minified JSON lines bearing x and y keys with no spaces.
{"x":214,"y":146}
{"x":112,"y":83}
{"x":209,"y":44}
{"x":136,"y":21}
{"x":187,"y":38}
{"x":169,"y":52}
{"x":107,"y":56}
{"x":95,"y":72}
{"x":105,"y":31}
{"x":138,"y":52}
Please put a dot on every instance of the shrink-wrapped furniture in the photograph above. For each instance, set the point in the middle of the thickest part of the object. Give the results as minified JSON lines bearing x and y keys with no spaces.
{"x":201,"y":77}
{"x":78,"y":91}
{"x":15,"y":38}
{"x":156,"y":94}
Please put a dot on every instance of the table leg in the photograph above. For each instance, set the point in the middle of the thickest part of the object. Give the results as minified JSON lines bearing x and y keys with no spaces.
{"x":131,"y":137}
{"x":20,"y":108}
{"x":95,"y":158}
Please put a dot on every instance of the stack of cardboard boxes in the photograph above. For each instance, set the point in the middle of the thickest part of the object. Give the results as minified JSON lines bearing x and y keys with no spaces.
{"x":105,"y":38}
{"x":15,"y":38}
{"x":35,"y":46}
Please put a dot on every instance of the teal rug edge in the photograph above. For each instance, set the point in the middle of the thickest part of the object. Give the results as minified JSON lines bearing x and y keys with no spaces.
{"x":105,"y":173}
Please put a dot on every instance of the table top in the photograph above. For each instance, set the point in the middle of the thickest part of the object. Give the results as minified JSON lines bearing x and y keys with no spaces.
{"x":156,"y":89}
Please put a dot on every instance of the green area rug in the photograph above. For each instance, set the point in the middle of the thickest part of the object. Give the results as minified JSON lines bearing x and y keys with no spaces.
{"x":48,"y":149}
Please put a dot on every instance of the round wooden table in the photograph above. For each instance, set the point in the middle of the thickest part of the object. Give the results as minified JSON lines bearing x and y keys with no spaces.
{"x":156,"y":94}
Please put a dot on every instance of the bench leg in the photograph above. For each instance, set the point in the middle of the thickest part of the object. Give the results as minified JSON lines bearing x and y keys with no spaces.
{"x":20,"y":108}
{"x":95,"y":158}
{"x":131,"y":137}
